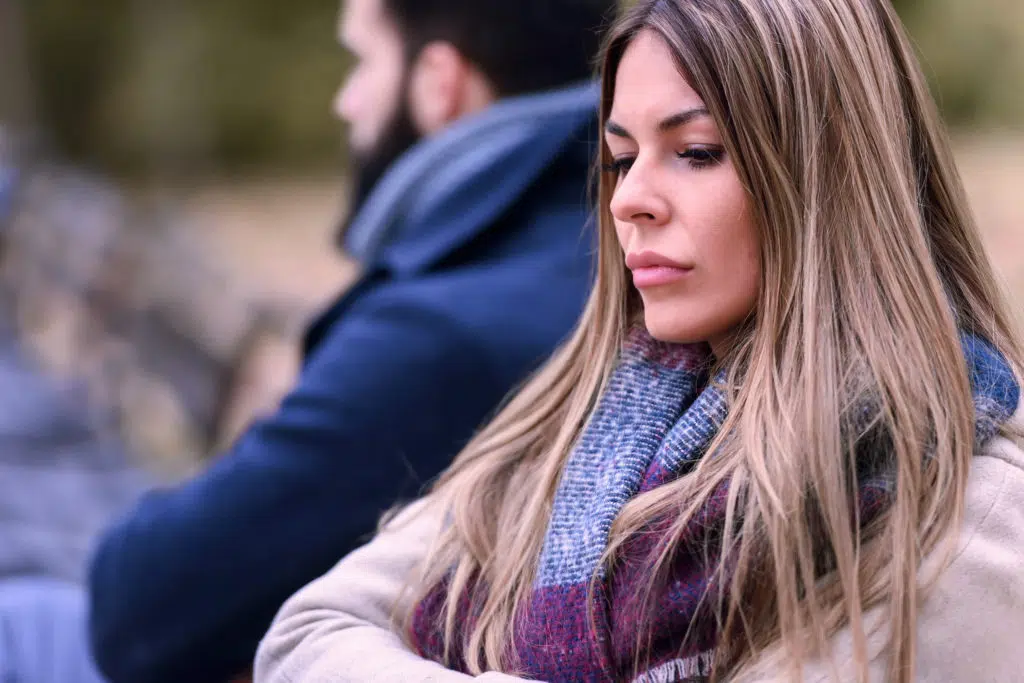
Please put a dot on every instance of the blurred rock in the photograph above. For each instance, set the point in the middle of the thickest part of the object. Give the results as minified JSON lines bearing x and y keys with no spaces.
{"x":117,"y":296}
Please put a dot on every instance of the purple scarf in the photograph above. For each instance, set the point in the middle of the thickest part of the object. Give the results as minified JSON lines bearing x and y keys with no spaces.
{"x":655,"y":421}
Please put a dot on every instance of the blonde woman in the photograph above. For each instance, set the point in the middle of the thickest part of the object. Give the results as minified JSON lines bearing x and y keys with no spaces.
{"x":779,"y":447}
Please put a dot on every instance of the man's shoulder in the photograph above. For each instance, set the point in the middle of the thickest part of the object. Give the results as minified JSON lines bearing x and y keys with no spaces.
{"x":491,"y":315}
{"x":410,"y":310}
{"x":468,"y":297}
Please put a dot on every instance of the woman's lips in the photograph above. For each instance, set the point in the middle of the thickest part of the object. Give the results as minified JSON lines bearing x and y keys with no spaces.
{"x":656,"y":276}
{"x":651,"y":269}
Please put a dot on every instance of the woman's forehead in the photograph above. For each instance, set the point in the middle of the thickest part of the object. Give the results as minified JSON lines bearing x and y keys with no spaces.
{"x":648,"y":85}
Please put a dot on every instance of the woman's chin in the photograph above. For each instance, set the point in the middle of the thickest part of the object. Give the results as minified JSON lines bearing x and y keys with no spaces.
{"x":671,"y":330}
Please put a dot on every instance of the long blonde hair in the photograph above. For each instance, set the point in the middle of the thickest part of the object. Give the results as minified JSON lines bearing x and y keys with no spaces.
{"x":871,"y":264}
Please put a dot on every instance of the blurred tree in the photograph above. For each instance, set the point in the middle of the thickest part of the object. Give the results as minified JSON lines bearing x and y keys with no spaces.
{"x":15,"y":97}
{"x":73,"y":52}
{"x":151,"y":85}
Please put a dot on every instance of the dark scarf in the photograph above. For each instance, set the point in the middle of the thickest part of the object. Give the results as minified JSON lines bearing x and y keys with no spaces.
{"x":654,"y":422}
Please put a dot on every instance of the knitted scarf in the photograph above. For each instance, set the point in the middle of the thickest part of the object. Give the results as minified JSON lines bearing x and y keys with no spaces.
{"x":655,"y":420}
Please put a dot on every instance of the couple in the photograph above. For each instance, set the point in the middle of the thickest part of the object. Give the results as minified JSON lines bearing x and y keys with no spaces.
{"x":779,"y":446}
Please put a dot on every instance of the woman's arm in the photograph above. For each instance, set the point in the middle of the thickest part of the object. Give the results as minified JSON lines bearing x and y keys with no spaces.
{"x":338,"y":628}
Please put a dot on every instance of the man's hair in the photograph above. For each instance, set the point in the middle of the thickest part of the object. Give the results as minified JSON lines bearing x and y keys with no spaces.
{"x":521,"y":46}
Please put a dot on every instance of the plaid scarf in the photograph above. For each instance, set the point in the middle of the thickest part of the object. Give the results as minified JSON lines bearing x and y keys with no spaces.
{"x":655,"y":420}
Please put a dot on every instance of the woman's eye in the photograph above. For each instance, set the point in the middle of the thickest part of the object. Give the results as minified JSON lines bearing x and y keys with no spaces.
{"x":703,"y":157}
{"x":620,"y":167}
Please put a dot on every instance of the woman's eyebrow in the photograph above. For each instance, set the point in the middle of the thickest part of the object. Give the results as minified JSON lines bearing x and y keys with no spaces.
{"x":682,"y":118}
{"x":612,"y":128}
{"x":665,"y":125}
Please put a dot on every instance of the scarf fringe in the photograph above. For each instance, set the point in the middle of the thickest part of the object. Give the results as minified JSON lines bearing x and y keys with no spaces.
{"x":696,"y":668}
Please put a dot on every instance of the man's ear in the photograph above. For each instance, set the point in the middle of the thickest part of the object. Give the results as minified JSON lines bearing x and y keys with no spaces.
{"x":444,"y":86}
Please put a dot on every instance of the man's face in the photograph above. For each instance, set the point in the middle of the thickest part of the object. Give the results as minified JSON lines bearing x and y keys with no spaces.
{"x":373,"y":101}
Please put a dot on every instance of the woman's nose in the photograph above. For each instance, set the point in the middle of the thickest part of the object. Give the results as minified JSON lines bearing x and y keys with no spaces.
{"x":636,"y":199}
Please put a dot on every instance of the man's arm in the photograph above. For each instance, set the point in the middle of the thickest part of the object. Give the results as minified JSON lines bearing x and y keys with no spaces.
{"x":184,"y":587}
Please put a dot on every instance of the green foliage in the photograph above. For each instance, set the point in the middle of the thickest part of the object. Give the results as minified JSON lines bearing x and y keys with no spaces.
{"x":184,"y":85}
{"x":147,"y":85}
{"x":973,"y":53}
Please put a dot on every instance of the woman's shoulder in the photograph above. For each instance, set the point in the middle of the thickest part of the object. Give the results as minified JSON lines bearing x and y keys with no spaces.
{"x":966,"y":619}
{"x":996,"y":483}
{"x":972,"y":610}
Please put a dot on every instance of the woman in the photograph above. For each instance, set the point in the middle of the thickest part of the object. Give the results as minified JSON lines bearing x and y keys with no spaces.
{"x":777,"y":446}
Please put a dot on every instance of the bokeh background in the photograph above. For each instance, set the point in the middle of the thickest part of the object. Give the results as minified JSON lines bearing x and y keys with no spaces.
{"x":181,"y":179}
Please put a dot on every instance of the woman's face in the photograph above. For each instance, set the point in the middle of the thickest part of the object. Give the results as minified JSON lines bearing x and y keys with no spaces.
{"x":681,"y":214}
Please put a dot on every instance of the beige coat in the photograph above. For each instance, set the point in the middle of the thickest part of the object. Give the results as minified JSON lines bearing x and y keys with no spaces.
{"x":970,"y":627}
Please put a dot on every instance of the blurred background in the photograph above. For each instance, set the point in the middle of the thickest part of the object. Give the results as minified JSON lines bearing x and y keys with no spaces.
{"x":171,"y":177}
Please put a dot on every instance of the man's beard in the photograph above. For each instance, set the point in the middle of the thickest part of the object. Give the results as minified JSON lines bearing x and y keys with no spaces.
{"x":368,"y":167}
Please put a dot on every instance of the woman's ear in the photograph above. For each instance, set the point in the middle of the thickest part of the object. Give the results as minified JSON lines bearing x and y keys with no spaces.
{"x":443,"y":87}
